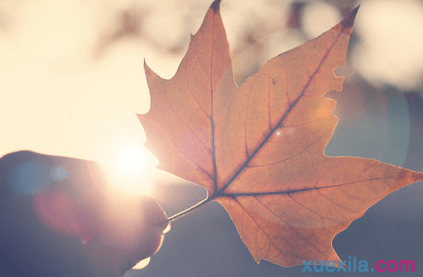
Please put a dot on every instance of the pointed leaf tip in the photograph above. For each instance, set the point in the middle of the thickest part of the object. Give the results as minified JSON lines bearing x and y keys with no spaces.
{"x":349,"y":21}
{"x":215,"y":5}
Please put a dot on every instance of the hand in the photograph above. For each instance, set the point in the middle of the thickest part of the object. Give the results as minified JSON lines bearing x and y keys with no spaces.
{"x":133,"y":231}
{"x":58,"y":219}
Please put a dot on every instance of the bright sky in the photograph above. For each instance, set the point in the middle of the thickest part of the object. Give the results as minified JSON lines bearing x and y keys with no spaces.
{"x":391,"y":34}
{"x":58,"y":99}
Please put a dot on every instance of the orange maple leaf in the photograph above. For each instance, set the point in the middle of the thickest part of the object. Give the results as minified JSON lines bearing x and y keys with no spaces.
{"x":259,"y":149}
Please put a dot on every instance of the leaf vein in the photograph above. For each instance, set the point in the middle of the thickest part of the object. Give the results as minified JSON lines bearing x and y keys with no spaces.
{"x":240,"y":169}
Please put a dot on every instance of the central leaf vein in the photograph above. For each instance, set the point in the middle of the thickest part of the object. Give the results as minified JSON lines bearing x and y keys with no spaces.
{"x":260,"y":146}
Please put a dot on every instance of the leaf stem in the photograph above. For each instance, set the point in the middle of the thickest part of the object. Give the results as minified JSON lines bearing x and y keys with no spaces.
{"x":184,"y":212}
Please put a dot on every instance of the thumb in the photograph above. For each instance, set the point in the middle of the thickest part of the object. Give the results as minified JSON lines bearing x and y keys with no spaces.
{"x":133,"y":232}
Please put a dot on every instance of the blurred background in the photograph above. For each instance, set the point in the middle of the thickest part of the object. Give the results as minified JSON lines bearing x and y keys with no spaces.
{"x":72,"y":80}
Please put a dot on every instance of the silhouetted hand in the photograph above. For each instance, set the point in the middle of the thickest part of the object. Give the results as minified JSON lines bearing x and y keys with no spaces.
{"x":57,"y":218}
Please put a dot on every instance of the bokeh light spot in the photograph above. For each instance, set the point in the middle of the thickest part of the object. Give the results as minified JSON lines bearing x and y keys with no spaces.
{"x":319,"y":17}
{"x":391,"y":38}
{"x":58,"y":173}
{"x":29,"y":177}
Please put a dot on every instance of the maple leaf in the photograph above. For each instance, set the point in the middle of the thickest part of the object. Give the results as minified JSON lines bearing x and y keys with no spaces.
{"x":259,"y":149}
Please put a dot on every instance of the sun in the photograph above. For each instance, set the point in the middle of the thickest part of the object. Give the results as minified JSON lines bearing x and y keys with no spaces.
{"x":132,"y":159}
{"x":132,"y":171}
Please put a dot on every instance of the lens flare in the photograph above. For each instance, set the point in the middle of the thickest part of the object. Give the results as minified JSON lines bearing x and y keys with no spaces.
{"x":132,"y":159}
{"x":132,"y":171}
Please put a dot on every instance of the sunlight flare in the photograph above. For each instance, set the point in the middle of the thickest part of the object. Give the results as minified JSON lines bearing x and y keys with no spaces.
{"x":132,"y":171}
{"x":132,"y":159}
